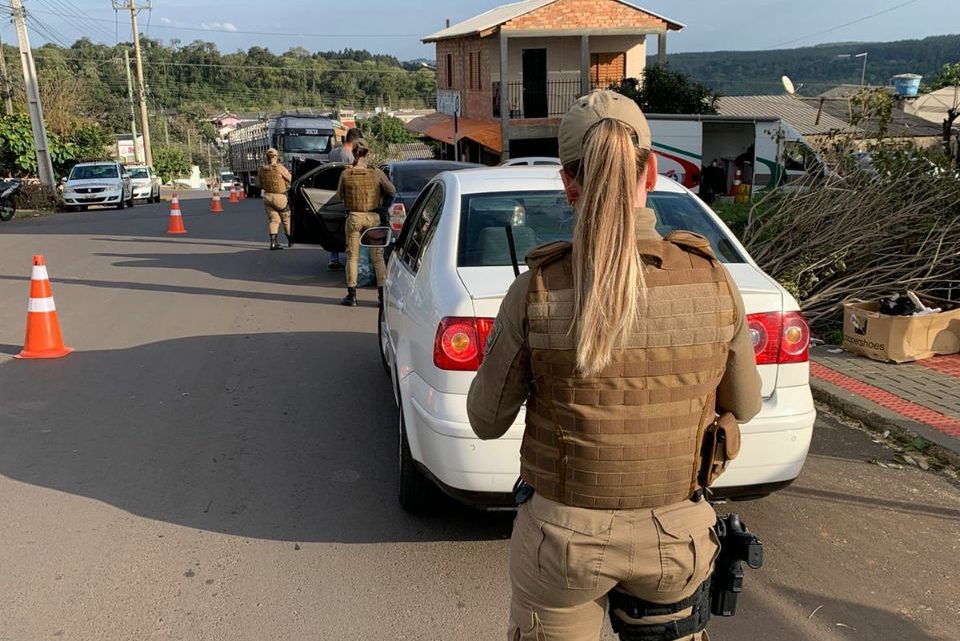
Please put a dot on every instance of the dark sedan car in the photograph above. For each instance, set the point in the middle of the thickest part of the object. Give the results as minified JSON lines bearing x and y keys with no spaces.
{"x":319,"y":216}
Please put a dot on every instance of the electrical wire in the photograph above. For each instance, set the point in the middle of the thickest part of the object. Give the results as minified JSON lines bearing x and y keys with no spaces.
{"x":333,"y":36}
{"x":846,"y":24}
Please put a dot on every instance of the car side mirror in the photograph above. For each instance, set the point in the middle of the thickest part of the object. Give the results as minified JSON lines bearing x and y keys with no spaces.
{"x":377,"y":238}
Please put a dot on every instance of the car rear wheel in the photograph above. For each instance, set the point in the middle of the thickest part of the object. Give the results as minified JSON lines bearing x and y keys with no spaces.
{"x":416,"y":493}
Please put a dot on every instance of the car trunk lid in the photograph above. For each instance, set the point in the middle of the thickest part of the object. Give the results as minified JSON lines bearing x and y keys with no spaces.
{"x":488,"y":285}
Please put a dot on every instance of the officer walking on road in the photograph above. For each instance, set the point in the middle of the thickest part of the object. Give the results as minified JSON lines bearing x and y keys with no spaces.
{"x":344,"y":154}
{"x":624,"y":345}
{"x":362,"y":189}
{"x":275,"y":182}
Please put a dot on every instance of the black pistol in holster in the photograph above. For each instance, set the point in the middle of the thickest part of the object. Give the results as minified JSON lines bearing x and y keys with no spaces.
{"x":738,"y":545}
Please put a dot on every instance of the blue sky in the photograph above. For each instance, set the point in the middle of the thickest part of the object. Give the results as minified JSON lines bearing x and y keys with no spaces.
{"x":394,"y":26}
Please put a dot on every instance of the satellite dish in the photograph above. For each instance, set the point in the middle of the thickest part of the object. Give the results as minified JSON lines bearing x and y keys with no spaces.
{"x":788,"y":85}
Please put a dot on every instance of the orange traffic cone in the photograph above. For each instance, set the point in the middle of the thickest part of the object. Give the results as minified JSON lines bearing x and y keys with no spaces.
{"x":241,"y":192}
{"x":43,"y":338}
{"x":176,"y":218}
{"x":233,"y":194}
{"x":216,"y":207}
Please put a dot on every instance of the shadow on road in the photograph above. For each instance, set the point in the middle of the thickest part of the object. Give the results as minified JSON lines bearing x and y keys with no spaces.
{"x":901,"y":507}
{"x":288,"y":437}
{"x":198,"y":291}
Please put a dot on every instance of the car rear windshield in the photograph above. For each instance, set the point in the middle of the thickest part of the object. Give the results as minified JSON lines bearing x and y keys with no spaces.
{"x":538,"y":217}
{"x":93,"y":172}
{"x":413,"y":178}
{"x":138,"y":172}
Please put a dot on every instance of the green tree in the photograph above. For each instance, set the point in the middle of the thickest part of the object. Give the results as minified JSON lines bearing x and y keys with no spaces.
{"x":171,"y":163}
{"x":385,"y":129}
{"x":949,"y":76}
{"x":664,"y":91}
{"x":17,"y":154}
{"x":89,"y":140}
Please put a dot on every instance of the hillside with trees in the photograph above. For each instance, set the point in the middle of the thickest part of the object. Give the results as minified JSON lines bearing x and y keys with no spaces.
{"x":741,"y":73}
{"x":85,"y":99}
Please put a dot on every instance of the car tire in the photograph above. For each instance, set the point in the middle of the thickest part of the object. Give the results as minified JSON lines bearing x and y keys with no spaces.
{"x":130,"y":202}
{"x":84,"y":208}
{"x":381,"y":340}
{"x":417,"y":495}
{"x":122,"y":204}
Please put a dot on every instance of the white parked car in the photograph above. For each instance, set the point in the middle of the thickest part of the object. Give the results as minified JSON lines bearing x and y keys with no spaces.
{"x":527,"y":161}
{"x":145,"y":183}
{"x":101,"y":182}
{"x":452,"y":265}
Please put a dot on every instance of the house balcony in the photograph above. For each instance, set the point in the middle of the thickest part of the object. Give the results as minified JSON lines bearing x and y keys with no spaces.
{"x":537,"y":100}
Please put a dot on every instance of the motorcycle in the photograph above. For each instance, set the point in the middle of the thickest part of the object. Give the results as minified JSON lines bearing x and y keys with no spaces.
{"x":8,"y":192}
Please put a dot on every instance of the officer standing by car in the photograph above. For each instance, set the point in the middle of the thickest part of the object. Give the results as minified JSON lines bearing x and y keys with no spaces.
{"x":362,"y":189}
{"x":624,"y":345}
{"x":275,"y":182}
{"x":343,"y":154}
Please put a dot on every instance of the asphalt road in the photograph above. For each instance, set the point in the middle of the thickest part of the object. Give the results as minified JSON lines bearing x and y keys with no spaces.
{"x":217,"y":461}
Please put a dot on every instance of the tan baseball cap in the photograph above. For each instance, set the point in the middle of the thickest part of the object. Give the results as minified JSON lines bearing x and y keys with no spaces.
{"x":359,"y":144}
{"x":272,"y":153}
{"x":591,"y":109}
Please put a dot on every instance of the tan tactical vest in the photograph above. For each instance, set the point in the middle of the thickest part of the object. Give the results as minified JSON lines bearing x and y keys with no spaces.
{"x":271,"y":179}
{"x":629,"y":437}
{"x":361,"y":189}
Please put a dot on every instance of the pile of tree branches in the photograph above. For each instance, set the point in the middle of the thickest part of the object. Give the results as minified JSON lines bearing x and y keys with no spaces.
{"x":861,"y":237}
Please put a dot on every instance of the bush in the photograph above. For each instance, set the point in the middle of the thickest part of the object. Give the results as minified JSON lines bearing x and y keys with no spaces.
{"x":171,"y":163}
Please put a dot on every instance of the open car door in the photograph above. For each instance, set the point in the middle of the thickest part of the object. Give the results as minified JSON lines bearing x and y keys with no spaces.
{"x":318,"y":215}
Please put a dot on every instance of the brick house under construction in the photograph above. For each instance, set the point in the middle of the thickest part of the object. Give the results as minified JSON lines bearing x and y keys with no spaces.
{"x":514,"y":71}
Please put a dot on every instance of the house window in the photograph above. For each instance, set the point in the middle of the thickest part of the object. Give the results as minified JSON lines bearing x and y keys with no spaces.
{"x":449,"y":71}
{"x":474,"y":61}
{"x":607,"y":69}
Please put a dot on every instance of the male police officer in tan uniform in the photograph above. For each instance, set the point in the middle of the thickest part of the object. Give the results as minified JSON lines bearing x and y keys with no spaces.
{"x":617,"y":516}
{"x":275,"y":181}
{"x":362,"y":189}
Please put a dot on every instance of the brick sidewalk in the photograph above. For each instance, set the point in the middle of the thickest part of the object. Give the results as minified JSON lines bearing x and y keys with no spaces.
{"x":922,"y":397}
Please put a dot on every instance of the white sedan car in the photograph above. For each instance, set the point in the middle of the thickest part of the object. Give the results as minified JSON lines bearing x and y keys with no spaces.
{"x":449,"y":271}
{"x":145,"y":183}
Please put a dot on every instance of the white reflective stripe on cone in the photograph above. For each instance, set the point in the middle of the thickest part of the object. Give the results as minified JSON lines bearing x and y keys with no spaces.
{"x":175,"y":212}
{"x":40,"y":272}
{"x":41,"y":305}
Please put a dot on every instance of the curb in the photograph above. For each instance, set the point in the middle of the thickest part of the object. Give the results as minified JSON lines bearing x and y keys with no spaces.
{"x":879,"y":419}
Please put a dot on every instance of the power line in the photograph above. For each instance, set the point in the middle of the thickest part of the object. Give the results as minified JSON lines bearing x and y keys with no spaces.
{"x":846,"y":24}
{"x":333,"y":36}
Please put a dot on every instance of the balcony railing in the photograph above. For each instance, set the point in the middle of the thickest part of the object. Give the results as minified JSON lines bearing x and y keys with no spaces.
{"x":549,"y":99}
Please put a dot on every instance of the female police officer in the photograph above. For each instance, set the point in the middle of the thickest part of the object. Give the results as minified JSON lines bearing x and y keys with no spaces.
{"x":624,"y":345}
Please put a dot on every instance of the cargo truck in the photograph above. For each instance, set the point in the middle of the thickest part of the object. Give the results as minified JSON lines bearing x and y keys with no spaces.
{"x":297,"y":138}
{"x":767,"y":151}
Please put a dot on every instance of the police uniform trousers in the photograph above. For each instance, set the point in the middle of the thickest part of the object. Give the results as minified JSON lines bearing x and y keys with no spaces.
{"x":277,"y":207}
{"x":357,"y":222}
{"x":565,"y":560}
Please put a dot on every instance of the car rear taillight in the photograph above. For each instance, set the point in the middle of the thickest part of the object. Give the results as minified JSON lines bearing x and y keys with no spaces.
{"x":779,"y":338}
{"x":398,"y":214}
{"x":460,"y":343}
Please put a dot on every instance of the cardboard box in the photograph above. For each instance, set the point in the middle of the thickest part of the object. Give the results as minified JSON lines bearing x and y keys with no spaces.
{"x":899,"y":339}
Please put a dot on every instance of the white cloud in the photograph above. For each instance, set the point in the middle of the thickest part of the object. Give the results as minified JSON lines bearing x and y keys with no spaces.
{"x":166,"y":20}
{"x":219,"y":26}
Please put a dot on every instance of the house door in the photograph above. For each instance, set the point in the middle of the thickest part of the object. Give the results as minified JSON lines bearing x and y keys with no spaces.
{"x":535,"y":83}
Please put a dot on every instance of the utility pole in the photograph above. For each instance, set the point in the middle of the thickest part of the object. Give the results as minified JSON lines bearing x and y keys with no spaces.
{"x":133,"y":111}
{"x":7,"y":93}
{"x":131,"y":6}
{"x":40,"y":144}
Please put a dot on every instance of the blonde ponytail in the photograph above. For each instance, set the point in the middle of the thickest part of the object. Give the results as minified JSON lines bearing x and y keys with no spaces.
{"x":607,"y":267}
